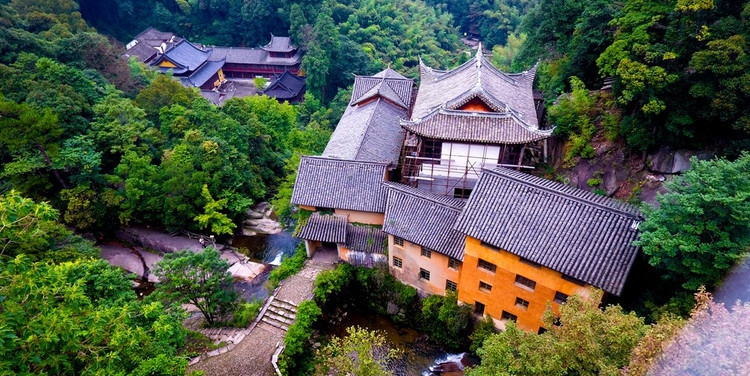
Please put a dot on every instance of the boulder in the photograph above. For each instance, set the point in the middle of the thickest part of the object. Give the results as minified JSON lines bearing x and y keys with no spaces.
{"x":667,"y":161}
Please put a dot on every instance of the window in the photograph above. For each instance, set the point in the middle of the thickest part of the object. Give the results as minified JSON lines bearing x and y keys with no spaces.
{"x":426,"y":252}
{"x":424,"y":274}
{"x":398,"y":241}
{"x":523,"y":304}
{"x":490,"y":267}
{"x":450,"y":285}
{"x":524,"y":282}
{"x":461,"y":192}
{"x":484,"y":286}
{"x":574,"y":280}
{"x":453,"y":264}
{"x":560,"y":298}
{"x":397,"y":262}
{"x":507,"y":316}
{"x":541,"y":330}
{"x":532,"y":263}
{"x":490,"y":246}
{"x":478,"y":308}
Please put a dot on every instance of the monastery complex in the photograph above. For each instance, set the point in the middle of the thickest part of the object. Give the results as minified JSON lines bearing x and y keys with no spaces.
{"x":436,"y":185}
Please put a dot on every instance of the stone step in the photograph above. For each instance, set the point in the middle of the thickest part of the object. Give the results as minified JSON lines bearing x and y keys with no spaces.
{"x":275,"y":324}
{"x":282,"y":312}
{"x":284,"y":303}
{"x":281,"y":319}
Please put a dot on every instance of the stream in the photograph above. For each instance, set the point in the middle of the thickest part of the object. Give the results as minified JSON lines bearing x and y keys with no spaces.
{"x":267,"y":249}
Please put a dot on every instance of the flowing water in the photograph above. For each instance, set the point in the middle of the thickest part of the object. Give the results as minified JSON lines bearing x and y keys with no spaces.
{"x":268,"y":249}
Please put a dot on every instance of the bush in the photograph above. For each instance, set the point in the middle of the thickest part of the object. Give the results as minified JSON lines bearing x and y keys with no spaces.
{"x":446,"y":321}
{"x":246,"y":313}
{"x":297,"y":354}
{"x":482,"y":330}
{"x":289,"y":267}
{"x":330,"y":284}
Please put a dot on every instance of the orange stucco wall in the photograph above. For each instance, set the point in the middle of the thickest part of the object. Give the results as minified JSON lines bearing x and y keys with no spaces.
{"x":504,"y":291}
{"x":362,"y":217}
{"x":412,"y":261}
{"x":476,"y":105}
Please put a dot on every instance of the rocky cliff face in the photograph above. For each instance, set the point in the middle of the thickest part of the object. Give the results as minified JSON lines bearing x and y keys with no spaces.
{"x":616,"y":172}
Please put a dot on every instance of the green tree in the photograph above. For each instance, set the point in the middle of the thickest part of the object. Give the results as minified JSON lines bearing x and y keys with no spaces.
{"x":361,"y":353}
{"x":447,"y":322}
{"x":199,"y":278}
{"x":212,"y":215}
{"x":587,"y":341}
{"x":77,"y":318}
{"x":701,"y":227}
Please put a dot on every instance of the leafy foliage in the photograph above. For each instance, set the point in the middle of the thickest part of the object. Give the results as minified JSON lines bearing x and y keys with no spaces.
{"x":199,"y":278}
{"x":702,"y":226}
{"x":295,"y":360}
{"x":361,"y":353}
{"x":446,"y":321}
{"x":81,"y":317}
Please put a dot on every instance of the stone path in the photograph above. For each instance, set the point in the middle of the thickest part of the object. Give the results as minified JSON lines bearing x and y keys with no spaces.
{"x":251,"y":354}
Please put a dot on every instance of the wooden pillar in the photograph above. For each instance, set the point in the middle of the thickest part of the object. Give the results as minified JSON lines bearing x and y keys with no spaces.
{"x":520,"y":157}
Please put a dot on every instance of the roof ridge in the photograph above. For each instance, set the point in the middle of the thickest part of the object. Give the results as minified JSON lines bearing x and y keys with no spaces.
{"x":338,"y":160}
{"x":422,"y":194}
{"x":548,"y":185}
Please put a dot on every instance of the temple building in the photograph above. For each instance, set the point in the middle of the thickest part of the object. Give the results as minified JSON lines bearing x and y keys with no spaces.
{"x":210,"y":68}
{"x":467,"y":119}
{"x":438,"y":187}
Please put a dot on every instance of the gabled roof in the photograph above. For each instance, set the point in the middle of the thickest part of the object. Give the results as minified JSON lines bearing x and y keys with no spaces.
{"x":329,"y":228}
{"x":578,"y":233}
{"x":244,"y":55}
{"x":366,"y":239}
{"x":204,"y":73}
{"x":476,"y":79}
{"x":279,"y":44}
{"x":340,"y":184}
{"x":368,"y":132}
{"x":424,"y":218}
{"x":497,"y":128}
{"x":395,"y":89}
{"x":286,"y":86}
{"x":186,"y":56}
{"x":154,"y":37}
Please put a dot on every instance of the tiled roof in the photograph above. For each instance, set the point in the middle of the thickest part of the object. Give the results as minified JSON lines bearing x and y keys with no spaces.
{"x":327,"y":228}
{"x":187,"y":56}
{"x":476,"y":78}
{"x":424,"y":218}
{"x":396,"y":90}
{"x":204,"y":73}
{"x":243,"y":55}
{"x":279,"y":44}
{"x":366,"y":239}
{"x":340,"y":184}
{"x":368,"y":132}
{"x":500,"y":128}
{"x":577,"y":233}
{"x":286,"y":86}
{"x":141,"y":51}
{"x":154,"y":37}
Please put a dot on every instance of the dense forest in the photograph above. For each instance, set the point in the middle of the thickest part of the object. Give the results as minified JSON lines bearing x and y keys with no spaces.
{"x":90,"y":142}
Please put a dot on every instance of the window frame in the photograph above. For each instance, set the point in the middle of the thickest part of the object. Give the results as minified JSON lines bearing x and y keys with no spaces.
{"x":507,"y":316}
{"x":488,"y":267}
{"x":484,"y":286}
{"x":558,"y":299}
{"x":450,"y":285}
{"x":425,"y":252}
{"x":398,"y":241}
{"x":453,"y":261}
{"x":424,"y":274}
{"x":399,"y":261}
{"x":525,"y":283}
{"x":522,"y":303}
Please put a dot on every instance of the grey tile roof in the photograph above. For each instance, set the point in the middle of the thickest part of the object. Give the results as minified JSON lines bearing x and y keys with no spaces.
{"x":257,"y":56}
{"x":141,"y":51}
{"x":368,"y":132}
{"x":392,"y":86}
{"x":477,"y":78}
{"x":366,"y":239}
{"x":340,"y":184}
{"x":154,"y":37}
{"x":185,"y":55}
{"x":205,"y":72}
{"x":424,"y":218}
{"x":499,"y":128}
{"x":286,"y":86}
{"x":327,"y":228}
{"x":578,"y":233}
{"x":279,"y":44}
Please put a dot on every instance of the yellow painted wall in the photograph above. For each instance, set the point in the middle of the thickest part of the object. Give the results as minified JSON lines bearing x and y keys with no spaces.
{"x":221,"y":75}
{"x":167,"y":64}
{"x":362,"y":217}
{"x":504,"y":290}
{"x":411,"y":256}
{"x":308,"y":208}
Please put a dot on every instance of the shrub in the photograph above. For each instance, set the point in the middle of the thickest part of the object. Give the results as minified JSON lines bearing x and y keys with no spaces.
{"x":246,"y":313}
{"x":330,"y":283}
{"x":446,"y":321}
{"x":295,"y":360}
{"x":482,"y":330}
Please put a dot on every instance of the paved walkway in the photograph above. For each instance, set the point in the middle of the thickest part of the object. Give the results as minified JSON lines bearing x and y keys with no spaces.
{"x":252,"y":356}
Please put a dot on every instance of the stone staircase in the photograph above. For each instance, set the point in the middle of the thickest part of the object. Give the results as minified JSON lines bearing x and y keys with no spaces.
{"x":230,"y":336}
{"x":280,"y":314}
